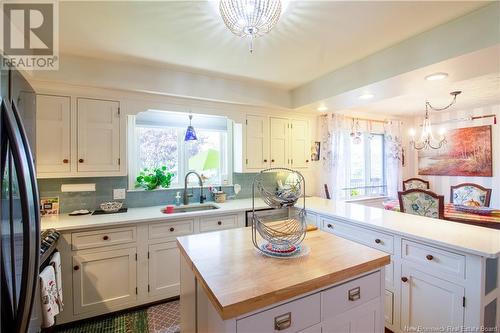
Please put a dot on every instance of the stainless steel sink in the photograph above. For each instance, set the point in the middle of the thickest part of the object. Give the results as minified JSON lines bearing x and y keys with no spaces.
{"x":194,"y":208}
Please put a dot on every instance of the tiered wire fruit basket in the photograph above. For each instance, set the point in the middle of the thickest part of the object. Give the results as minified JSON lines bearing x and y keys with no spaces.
{"x":280,"y":236}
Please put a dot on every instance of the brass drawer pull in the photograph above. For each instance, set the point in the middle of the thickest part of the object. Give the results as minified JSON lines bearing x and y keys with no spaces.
{"x":429,"y":257}
{"x":283,"y":321}
{"x":65,"y":161}
{"x":105,"y":238}
{"x":354,"y":294}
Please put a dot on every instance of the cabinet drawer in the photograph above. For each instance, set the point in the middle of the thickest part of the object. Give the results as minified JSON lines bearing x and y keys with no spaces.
{"x":105,"y":237}
{"x":349,"y":295}
{"x":434,"y":260}
{"x":298,"y":314}
{"x":374,"y":239}
{"x":171,"y":229}
{"x":389,"y":307}
{"x":219,"y":223}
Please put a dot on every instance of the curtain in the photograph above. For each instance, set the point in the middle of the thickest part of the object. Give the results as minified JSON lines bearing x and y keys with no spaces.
{"x":334,"y":152}
{"x":393,"y":158}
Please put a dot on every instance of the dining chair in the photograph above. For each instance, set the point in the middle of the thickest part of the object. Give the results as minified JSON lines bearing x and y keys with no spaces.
{"x":418,"y":183}
{"x":421,"y":202}
{"x":470,"y":194}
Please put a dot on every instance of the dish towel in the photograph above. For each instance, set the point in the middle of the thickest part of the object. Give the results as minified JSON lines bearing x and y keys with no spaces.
{"x":48,"y":292}
{"x":55,"y":262}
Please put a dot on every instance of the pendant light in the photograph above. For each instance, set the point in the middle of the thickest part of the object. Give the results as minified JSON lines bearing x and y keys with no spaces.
{"x":190,"y":132}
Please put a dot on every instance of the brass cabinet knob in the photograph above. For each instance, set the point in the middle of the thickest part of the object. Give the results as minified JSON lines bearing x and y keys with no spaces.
{"x":265,"y":161}
{"x":105,"y":237}
{"x":272,"y":161}
{"x":80,"y":160}
{"x":65,"y":160}
{"x":404,"y":279}
{"x":307,"y":161}
{"x":429,"y":257}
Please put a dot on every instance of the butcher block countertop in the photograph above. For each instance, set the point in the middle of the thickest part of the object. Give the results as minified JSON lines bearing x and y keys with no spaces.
{"x":237,"y":279}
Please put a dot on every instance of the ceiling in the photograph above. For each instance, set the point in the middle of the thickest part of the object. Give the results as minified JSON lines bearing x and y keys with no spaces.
{"x":311,"y":39}
{"x":476,"y":92}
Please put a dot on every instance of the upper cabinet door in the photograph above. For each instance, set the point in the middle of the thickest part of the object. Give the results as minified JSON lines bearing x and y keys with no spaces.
{"x":98,"y":135}
{"x":53,"y":134}
{"x":257,"y":142}
{"x":279,"y":142}
{"x":299,"y":144}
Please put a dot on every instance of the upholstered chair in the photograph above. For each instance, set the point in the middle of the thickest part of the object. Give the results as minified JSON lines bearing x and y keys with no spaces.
{"x":421,"y":202}
{"x":417,"y":183}
{"x":470,"y":194}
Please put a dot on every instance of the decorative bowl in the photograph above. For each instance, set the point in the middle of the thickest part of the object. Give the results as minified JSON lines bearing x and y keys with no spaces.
{"x":111,"y":206}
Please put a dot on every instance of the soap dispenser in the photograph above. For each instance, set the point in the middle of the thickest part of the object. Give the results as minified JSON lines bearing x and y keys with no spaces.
{"x":178,"y":199}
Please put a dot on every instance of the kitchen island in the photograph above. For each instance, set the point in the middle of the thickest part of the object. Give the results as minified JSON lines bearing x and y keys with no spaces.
{"x":228,"y":286}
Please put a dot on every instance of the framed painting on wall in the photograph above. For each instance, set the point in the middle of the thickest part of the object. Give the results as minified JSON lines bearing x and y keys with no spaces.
{"x":468,"y":152}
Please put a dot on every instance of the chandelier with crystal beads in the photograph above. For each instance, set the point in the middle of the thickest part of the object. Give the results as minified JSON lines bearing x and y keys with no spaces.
{"x":250,"y":18}
{"x":427,"y":139}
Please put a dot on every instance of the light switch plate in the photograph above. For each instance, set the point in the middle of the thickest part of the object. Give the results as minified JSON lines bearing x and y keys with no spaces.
{"x":119,"y":194}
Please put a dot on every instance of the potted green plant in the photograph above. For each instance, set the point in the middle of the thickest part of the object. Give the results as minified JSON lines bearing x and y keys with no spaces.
{"x":153,"y":178}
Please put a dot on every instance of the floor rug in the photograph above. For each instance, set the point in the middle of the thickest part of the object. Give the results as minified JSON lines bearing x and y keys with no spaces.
{"x":162,"y":318}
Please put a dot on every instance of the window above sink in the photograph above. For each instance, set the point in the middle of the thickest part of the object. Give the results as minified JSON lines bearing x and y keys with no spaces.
{"x":157,"y":140}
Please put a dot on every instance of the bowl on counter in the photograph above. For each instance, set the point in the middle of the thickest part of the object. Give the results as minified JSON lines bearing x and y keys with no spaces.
{"x":111,"y":206}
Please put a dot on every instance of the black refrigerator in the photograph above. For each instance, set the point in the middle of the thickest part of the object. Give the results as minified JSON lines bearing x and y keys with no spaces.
{"x":19,"y":203}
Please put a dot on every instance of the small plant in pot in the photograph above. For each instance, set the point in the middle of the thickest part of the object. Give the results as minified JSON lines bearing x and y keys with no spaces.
{"x":153,"y":178}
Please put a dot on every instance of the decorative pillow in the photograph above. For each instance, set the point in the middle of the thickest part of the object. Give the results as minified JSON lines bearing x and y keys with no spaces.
{"x":421,"y":204}
{"x":409,"y":185}
{"x":469,"y":196}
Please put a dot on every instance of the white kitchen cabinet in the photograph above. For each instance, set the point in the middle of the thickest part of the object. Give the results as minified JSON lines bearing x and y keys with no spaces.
{"x":103,"y":279}
{"x":299,"y":144}
{"x":98,"y":135}
{"x":257,"y":142}
{"x":164,"y":270}
{"x":427,"y":301}
{"x":361,"y":319}
{"x":271,"y":142}
{"x":53,"y":134}
{"x":280,"y":138}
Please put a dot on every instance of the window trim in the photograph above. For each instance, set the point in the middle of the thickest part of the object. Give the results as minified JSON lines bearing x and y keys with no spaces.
{"x":367,"y":170}
{"x":132,"y":143}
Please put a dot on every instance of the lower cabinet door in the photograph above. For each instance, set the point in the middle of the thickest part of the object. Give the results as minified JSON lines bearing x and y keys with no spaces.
{"x":365,"y":318}
{"x":427,"y":301}
{"x":164,"y":270}
{"x":104,"y":279}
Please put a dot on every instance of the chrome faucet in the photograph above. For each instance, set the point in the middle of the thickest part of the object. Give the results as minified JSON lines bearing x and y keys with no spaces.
{"x":186,"y":195}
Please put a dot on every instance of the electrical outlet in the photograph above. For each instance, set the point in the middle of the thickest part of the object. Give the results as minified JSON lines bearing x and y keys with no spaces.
{"x":119,"y":194}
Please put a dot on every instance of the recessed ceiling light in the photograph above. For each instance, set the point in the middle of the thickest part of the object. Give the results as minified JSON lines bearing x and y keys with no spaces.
{"x":322,"y":108}
{"x":366,"y":96}
{"x":436,"y":76}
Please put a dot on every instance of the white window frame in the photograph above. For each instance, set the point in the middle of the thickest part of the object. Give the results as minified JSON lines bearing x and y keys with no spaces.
{"x":367,"y":169}
{"x":226,"y":150}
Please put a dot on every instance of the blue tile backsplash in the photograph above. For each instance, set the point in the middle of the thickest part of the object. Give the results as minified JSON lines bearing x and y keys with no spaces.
{"x":70,"y":201}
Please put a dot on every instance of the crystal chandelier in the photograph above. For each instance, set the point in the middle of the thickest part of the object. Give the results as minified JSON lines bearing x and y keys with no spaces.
{"x":250,"y":18}
{"x":427,"y":139}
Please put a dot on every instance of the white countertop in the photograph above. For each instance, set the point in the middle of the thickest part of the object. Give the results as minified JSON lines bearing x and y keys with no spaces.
{"x":467,"y":238}
{"x":64,"y":222}
{"x":463,"y":237}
